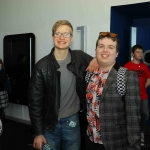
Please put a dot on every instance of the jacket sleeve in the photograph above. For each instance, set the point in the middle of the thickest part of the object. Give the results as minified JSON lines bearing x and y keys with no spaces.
{"x":35,"y":101}
{"x":132,"y":108}
{"x":84,"y":57}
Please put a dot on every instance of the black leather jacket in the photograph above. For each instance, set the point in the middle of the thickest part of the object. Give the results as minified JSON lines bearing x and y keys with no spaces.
{"x":44,"y":89}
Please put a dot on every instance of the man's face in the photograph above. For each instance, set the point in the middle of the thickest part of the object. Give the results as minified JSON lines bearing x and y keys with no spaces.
{"x":138,"y":54}
{"x":62,"y":43}
{"x":106,"y":52}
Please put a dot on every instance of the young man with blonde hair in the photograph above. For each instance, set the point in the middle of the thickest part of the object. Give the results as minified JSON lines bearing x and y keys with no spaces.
{"x":57,"y":92}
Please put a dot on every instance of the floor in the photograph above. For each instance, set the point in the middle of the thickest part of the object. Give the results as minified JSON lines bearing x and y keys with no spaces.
{"x":147,"y":139}
{"x":17,"y":136}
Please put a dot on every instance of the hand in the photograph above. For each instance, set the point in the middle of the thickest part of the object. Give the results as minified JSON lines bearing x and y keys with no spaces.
{"x":38,"y":142}
{"x":147,"y":83}
{"x":93,"y":65}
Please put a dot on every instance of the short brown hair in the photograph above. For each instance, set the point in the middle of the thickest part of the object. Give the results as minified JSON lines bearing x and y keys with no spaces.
{"x":61,"y":23}
{"x":135,"y":47}
{"x":108,"y":35}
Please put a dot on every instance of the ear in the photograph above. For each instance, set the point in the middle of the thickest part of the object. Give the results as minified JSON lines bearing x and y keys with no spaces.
{"x":117,"y":54}
{"x":53,"y":38}
{"x":132,"y":54}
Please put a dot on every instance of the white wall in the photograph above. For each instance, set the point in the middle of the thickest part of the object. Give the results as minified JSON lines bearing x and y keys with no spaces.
{"x":38,"y":17}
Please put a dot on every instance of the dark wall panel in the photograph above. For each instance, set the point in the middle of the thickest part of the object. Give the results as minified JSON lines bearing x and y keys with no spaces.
{"x":19,"y":59}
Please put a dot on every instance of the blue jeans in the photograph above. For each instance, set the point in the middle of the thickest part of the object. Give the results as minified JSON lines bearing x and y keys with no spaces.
{"x":66,"y":134}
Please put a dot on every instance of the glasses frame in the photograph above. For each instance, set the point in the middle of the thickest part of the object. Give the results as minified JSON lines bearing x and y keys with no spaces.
{"x":65,"y":35}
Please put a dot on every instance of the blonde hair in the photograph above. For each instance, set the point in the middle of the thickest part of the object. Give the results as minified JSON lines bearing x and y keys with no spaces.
{"x":61,"y":23}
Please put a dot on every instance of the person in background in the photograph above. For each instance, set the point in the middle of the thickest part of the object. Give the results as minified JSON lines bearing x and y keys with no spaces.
{"x":3,"y":93}
{"x":144,"y":79}
{"x":1,"y":130}
{"x":113,"y":110}
{"x":57,"y":92}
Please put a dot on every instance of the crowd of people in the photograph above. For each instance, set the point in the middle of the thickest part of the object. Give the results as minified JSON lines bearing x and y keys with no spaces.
{"x":67,"y":84}
{"x":60,"y":90}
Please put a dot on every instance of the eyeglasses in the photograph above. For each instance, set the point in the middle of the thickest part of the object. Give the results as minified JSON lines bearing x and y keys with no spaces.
{"x":113,"y":35}
{"x":65,"y":35}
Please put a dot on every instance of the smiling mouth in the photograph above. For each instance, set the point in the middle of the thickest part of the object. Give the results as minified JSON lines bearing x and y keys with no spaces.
{"x":61,"y":42}
{"x":104,"y":55}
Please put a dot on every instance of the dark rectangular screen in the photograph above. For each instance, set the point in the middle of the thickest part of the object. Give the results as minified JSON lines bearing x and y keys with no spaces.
{"x":19,"y":59}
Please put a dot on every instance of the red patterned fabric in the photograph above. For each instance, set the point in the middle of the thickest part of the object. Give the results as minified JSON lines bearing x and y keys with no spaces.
{"x":93,"y":93}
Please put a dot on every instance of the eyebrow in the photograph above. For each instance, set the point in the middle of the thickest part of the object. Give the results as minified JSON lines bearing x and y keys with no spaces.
{"x":111,"y":45}
{"x":108,"y":45}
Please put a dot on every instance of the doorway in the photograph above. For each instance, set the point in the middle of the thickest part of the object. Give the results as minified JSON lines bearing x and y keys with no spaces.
{"x":132,"y":24}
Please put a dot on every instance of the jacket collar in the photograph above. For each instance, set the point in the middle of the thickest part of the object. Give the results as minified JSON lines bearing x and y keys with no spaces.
{"x":53,"y":60}
{"x":110,"y":78}
{"x":116,"y":66}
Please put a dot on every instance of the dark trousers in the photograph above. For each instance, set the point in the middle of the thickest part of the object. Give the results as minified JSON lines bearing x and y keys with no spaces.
{"x":144,"y":114}
{"x":83,"y":127}
{"x":92,"y":146}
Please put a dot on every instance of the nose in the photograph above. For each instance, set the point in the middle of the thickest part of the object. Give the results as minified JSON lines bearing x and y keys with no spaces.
{"x":105,"y":49}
